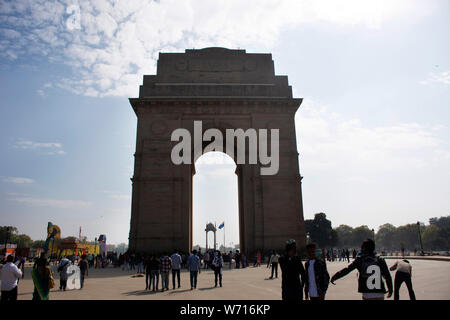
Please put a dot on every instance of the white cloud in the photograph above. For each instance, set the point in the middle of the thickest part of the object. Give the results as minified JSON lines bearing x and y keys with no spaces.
{"x":115,"y":42}
{"x":56,"y":152}
{"x":61,"y":204}
{"x":54,"y":148}
{"x":27,"y":144}
{"x":117,"y":195}
{"x":328,"y":141}
{"x":120,"y":196}
{"x":442,"y":78}
{"x":371,"y":174}
{"x":18,"y":180}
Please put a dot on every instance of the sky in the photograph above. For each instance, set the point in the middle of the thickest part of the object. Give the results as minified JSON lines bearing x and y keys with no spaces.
{"x":372,"y":131}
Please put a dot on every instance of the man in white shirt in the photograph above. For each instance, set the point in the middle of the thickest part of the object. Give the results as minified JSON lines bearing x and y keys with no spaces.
{"x":273,"y":261}
{"x":403,"y":274}
{"x":176,"y":266}
{"x":317,"y":277}
{"x":10,"y":275}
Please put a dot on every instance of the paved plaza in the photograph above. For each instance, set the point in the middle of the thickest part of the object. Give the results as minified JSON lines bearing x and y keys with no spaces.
{"x":430,"y":280}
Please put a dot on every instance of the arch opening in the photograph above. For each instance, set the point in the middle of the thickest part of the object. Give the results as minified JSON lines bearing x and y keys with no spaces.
{"x":215,"y":200}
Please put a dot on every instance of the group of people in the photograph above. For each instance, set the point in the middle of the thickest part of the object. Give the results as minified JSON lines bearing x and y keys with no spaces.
{"x":11,"y":274}
{"x":63,"y":266}
{"x":313,"y":278}
{"x":41,"y":274}
{"x":341,"y":255}
{"x":156,"y":267}
{"x":299,"y":281}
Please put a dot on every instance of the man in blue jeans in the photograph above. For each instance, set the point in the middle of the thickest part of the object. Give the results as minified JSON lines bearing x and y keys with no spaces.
{"x":193,"y":264}
{"x":166,"y":266}
{"x":176,"y":266}
{"x":154,"y":266}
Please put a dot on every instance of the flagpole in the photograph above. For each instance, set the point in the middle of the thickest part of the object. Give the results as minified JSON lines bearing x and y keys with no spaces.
{"x":224,"y":246}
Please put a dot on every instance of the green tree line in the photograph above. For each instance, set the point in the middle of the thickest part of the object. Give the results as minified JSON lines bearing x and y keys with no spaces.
{"x":435,"y":236}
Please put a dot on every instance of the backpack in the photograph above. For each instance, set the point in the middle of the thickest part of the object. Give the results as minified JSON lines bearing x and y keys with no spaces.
{"x":370,"y":273}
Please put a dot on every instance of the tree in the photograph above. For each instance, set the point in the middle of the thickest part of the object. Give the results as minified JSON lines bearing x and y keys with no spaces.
{"x":442,"y":222}
{"x":11,"y":234}
{"x":360,"y":234}
{"x":22,"y":240}
{"x":385,"y":236}
{"x":435,"y":238}
{"x":38,"y":244}
{"x":7,"y":234}
{"x":408,"y":235}
{"x":344,"y":235}
{"x":320,"y":231}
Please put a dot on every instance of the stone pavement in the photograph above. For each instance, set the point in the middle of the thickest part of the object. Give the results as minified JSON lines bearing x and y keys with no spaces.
{"x":430,"y":281}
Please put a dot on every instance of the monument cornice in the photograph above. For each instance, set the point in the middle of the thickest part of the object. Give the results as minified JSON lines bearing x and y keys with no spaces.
{"x":156,"y":179}
{"x":212,"y":104}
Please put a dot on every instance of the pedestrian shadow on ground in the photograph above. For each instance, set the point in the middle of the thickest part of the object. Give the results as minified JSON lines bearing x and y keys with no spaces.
{"x":140,"y":293}
{"x":179,"y":291}
{"x":210,"y":288}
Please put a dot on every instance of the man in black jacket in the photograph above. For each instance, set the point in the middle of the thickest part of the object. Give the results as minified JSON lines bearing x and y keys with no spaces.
{"x":291,"y":272}
{"x":372,"y":269}
{"x":317,"y":277}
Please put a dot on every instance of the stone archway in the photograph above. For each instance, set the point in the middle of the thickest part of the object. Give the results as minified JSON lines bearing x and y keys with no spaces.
{"x":225,"y":89}
{"x":210,"y":228}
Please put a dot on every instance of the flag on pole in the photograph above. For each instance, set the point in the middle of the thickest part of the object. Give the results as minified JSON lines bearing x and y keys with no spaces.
{"x":222,"y":225}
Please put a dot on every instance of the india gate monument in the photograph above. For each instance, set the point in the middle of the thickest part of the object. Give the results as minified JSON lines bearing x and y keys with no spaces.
{"x":224,"y":89}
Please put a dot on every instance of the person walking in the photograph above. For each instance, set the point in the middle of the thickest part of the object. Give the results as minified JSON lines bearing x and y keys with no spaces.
{"x":91,"y":260}
{"x":126,"y":262}
{"x":132,"y":261}
{"x":166,"y":265}
{"x":62,"y":269}
{"x":317,"y":277}
{"x":217,"y":265}
{"x":194,"y":267}
{"x":258,"y":259}
{"x":10,"y":277}
{"x":206,"y":260}
{"x":140,"y":263}
{"x":231,"y":259}
{"x":244,"y":260}
{"x":84,"y":269}
{"x":403,"y":274}
{"x":154,"y":267}
{"x":21,"y":265}
{"x":42,"y":279}
{"x":293,"y":274}
{"x":237,"y":259}
{"x":148,"y":274}
{"x":176,"y":267}
{"x":372,"y":269}
{"x":98,"y":261}
{"x":347,"y":255}
{"x":273,"y":262}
